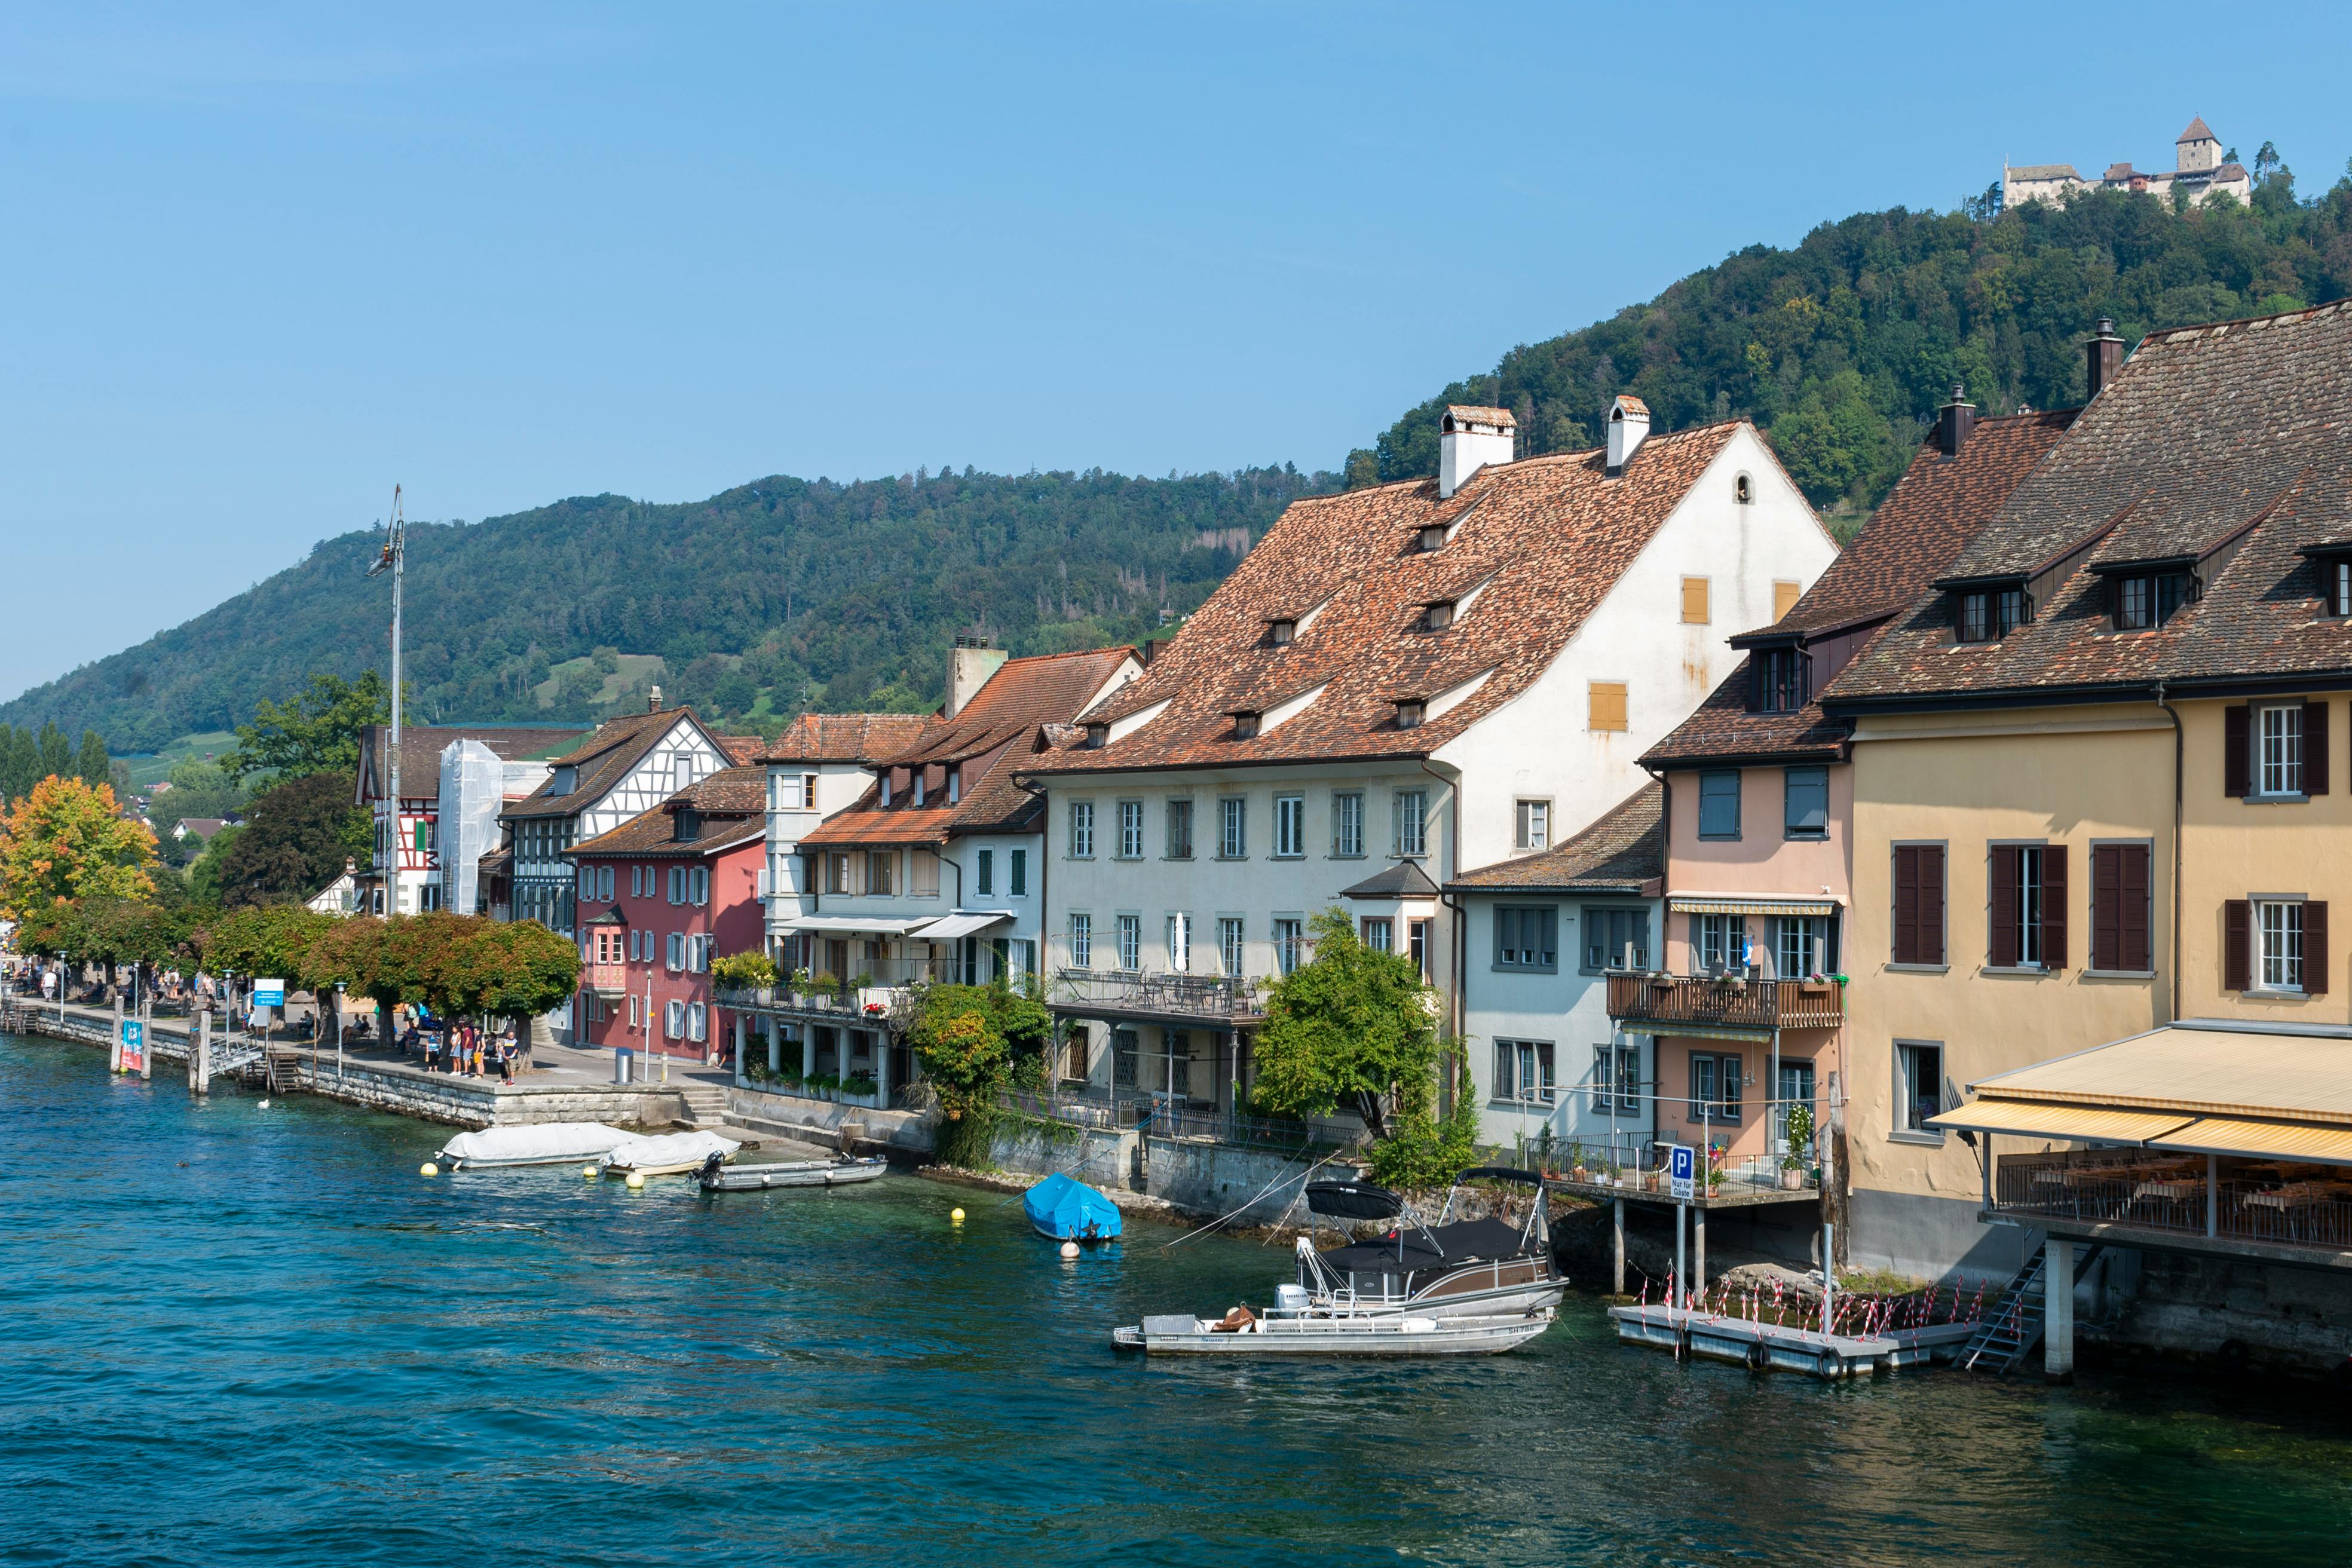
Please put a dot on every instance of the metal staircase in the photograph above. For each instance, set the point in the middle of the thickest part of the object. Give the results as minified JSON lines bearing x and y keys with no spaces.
{"x":2011,"y":1326}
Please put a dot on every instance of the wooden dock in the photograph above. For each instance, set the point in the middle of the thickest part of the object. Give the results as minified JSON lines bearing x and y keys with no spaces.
{"x":1774,"y":1347}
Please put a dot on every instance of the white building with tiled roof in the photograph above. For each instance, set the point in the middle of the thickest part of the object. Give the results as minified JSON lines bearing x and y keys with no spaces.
{"x":2198,"y":170}
{"x":1396,"y":684}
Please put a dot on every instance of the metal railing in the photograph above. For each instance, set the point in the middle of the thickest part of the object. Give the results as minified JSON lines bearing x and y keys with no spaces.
{"x":2132,"y":1187}
{"x":1727,"y":999}
{"x":1208,"y":997}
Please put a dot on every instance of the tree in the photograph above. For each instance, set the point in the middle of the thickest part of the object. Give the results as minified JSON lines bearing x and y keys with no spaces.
{"x":1353,"y":1027}
{"x":317,"y":732}
{"x":968,"y":1037}
{"x":1424,"y":1149}
{"x":372,"y":957}
{"x":199,"y":788}
{"x":206,"y":882}
{"x":66,"y":841}
{"x":271,"y":939}
{"x":93,"y":766}
{"x":294,"y":841}
{"x":541,"y":970}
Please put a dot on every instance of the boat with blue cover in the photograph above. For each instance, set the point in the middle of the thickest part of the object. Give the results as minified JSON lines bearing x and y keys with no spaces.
{"x":1061,"y":1209}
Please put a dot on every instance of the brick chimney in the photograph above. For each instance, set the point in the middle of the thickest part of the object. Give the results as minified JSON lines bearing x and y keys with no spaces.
{"x":2105,"y":353}
{"x":1954,"y":420}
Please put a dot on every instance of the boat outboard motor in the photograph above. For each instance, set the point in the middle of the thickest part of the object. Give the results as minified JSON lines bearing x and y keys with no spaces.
{"x":711,"y":1168}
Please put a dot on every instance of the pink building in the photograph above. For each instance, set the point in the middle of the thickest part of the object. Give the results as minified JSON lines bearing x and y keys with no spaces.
{"x":659,"y":898}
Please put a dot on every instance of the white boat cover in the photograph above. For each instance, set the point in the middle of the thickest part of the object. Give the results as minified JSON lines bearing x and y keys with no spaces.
{"x":668,"y":1151}
{"x":547,"y":1141}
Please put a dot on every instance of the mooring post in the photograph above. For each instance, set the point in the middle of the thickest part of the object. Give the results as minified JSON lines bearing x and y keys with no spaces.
{"x":1698,"y":1249}
{"x":1619,"y":1249}
{"x":200,"y":1056}
{"x":146,"y":1039}
{"x":2058,"y":1308}
{"x":115,"y":1047}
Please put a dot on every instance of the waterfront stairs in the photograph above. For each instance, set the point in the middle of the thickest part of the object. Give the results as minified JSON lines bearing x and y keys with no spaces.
{"x":706,"y":1103}
{"x":2011,"y":1326}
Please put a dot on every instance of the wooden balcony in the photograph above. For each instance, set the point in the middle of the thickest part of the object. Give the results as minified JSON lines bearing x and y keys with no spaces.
{"x":606,"y":979}
{"x":1727,"y":1001}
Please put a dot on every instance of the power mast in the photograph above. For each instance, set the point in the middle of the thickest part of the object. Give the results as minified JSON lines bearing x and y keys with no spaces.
{"x":395,"y":559}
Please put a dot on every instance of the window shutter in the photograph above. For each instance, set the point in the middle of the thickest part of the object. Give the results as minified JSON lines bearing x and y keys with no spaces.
{"x":2237,"y":944}
{"x":2135,"y":906}
{"x":2107,"y":907}
{"x":1931,"y":903}
{"x":2315,"y":748}
{"x":2001,"y":906}
{"x":2315,"y":948}
{"x":2053,"y":906}
{"x":1907,"y":905}
{"x":2237,"y":752}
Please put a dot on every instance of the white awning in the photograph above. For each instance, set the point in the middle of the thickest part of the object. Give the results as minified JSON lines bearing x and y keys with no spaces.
{"x":950,"y":927}
{"x":880,"y":925}
{"x":1752,"y":904}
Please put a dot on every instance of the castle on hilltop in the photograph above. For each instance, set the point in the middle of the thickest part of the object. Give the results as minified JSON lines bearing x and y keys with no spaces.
{"x":2198,"y":170}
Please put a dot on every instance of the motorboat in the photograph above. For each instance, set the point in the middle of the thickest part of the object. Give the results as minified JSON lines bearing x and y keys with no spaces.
{"x":668,"y":1154}
{"x":1451,"y":1269}
{"x":1062,"y":1209}
{"x":718,"y":1176}
{"x":539,"y":1143}
{"x":1293,"y":1328}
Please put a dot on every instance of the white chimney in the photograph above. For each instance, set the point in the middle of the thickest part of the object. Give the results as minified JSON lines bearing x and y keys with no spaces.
{"x":1628,"y":422}
{"x":1467,"y":440}
{"x":970,"y":664}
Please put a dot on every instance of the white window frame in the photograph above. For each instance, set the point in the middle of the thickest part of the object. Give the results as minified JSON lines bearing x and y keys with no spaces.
{"x":2278,"y":751}
{"x":2278,"y":945}
{"x":698,"y":1021}
{"x":1290,"y":826}
{"x":1179,"y":809}
{"x":673,"y":1020}
{"x":1130,"y":943}
{"x":1410,"y":809}
{"x":1531,"y":824}
{"x":1348,"y":825}
{"x":1081,"y":940}
{"x":1233,"y":827}
{"x":1082,"y":830}
{"x":1130,"y":831}
{"x":1289,"y":944}
{"x":1907,"y":1090}
{"x":1232,"y":947}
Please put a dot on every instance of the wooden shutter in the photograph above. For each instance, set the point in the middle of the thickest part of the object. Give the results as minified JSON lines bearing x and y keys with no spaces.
{"x":2237,"y":945}
{"x":2315,"y":748}
{"x":2315,"y":947}
{"x":2001,"y":906}
{"x":1907,"y":903}
{"x":2107,"y":906}
{"x":1606,"y":709}
{"x":2053,"y":906}
{"x":1784,"y":598}
{"x":1931,"y":903}
{"x":1695,"y":605}
{"x":2135,"y":909}
{"x":2237,"y":751}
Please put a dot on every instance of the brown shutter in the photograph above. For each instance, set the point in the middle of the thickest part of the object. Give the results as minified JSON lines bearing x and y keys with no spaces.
{"x":2134,"y":907}
{"x":2315,"y":748}
{"x":2106,"y":906}
{"x":1907,"y":903}
{"x":2315,"y":948}
{"x":2237,"y":945}
{"x":2001,"y":906}
{"x":2053,"y":906}
{"x":1931,"y":903}
{"x":2237,"y":752}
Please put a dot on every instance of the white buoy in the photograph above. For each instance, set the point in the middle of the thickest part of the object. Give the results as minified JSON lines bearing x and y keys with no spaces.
{"x":955,"y":1216}
{"x":263,"y":1106}
{"x":1069,"y":1249}
{"x":429,"y":1169}
{"x":589,"y":1170}
{"x":636,"y":1178}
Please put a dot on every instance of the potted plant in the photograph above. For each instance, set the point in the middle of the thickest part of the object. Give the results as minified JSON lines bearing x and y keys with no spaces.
{"x":1799,"y":1138}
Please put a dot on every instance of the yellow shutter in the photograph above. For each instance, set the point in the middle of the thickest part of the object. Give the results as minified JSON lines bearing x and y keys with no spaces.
{"x":1785,"y":596}
{"x":1694,"y":601}
{"x":1608,"y":705}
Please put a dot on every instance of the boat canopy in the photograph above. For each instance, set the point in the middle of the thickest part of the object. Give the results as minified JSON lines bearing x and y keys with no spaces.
{"x":1069,"y":1210}
{"x":1443,"y":1246}
{"x":535,"y":1143}
{"x":1354,"y":1200}
{"x":1500,"y":1174}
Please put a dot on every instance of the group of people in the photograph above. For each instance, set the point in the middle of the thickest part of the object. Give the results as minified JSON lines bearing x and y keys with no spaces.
{"x":464,"y":1049}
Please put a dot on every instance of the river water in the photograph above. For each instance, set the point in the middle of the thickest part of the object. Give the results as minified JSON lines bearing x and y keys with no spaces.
{"x":238,"y":1335}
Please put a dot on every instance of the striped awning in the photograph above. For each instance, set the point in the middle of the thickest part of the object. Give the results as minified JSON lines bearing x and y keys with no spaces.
{"x":2034,"y":1119}
{"x":2326,"y":1143}
{"x":1740,"y":904}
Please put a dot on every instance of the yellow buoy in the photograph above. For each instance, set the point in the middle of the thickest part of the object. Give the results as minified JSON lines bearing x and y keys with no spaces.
{"x":956,"y":1215}
{"x":429,"y":1169}
{"x":589,"y":1172}
{"x":636,"y":1178}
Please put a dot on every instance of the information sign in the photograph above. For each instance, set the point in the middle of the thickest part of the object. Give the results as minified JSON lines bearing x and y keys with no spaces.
{"x":269,"y":993}
{"x":1681,"y":1170}
{"x":134,"y":1044}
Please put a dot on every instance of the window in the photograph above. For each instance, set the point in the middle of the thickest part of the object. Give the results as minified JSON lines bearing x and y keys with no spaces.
{"x":1082,"y":942}
{"x":1523,"y":1072}
{"x":1784,"y":598}
{"x":1016,"y":870}
{"x":983,"y":874}
{"x":1919,"y":904}
{"x":1289,"y":944}
{"x":1715,"y":1086}
{"x":636,"y":881}
{"x":605,"y":880}
{"x":1719,"y":804}
{"x":1743,"y":491}
{"x":1411,"y":823}
{"x":1605,"y":705}
{"x":923,"y":873}
{"x":1289,"y":826}
{"x":2339,"y":588}
{"x":675,"y":953}
{"x":674,"y":885}
{"x":1437,"y":615}
{"x":700,"y":882}
{"x":1233,"y":827}
{"x":696,"y":1021}
{"x":1805,"y":944}
{"x":1629,"y":1080}
{"x":1616,"y":1078}
{"x":2009,"y":610}
{"x":1024,"y":956}
{"x":1379,"y":933}
{"x":1130,"y":830}
{"x":1806,"y":805}
{"x":1719,"y":941}
{"x":2279,"y":759}
{"x":1229,"y":947}
{"x":2120,"y":907}
{"x":2026,"y":906}
{"x":879,"y":864}
{"x":1918,"y":1088}
{"x":1410,"y":712}
{"x":1432,"y":537}
{"x":1615,"y":939}
{"x":1180,"y":943}
{"x":1244,"y":726}
{"x":1526,"y":937}
{"x":1131,"y":942}
{"x":1780,"y":680}
{"x":1125,"y":1048}
{"x":836,"y":872}
{"x":955,"y":793}
{"x":1532,"y":825}
{"x":1348,"y":825}
{"x":1281,"y":633}
{"x":1082,"y":830}
{"x":2144,"y":602}
{"x":1695,"y":601}
{"x":2283,"y":933}
{"x":1976,"y":617}
{"x":423,"y":835}
{"x":673,"y":1020}
{"x":1179,"y":830}
{"x":1419,"y":945}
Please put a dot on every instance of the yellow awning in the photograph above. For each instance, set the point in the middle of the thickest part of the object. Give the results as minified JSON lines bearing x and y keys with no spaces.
{"x":2030,"y":1119}
{"x":2327,"y":1142}
{"x":1734,"y":904}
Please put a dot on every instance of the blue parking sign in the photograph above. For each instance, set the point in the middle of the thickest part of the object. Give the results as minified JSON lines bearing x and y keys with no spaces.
{"x":1681,"y":1170}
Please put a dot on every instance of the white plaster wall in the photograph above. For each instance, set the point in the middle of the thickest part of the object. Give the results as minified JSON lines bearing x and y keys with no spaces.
{"x":839,"y":786}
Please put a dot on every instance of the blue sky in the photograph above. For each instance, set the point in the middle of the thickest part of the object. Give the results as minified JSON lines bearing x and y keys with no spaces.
{"x":259,"y":263}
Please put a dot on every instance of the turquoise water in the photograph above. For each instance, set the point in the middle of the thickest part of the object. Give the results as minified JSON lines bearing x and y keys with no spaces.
{"x":245,"y":1336}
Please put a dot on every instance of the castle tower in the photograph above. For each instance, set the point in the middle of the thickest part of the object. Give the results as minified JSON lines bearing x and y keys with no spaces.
{"x":2198,"y":150}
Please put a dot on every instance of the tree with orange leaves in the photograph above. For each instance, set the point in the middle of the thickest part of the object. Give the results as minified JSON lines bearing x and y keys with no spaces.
{"x":68,"y":840}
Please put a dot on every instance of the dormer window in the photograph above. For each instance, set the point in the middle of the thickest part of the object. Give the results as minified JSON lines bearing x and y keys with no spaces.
{"x":1098,"y":737}
{"x":689,"y":825}
{"x":1431,"y":538}
{"x":1988,"y":615}
{"x":955,"y":783}
{"x":1410,"y":712}
{"x":1246,"y":725}
{"x":1437,"y":615}
{"x":921,"y":775}
{"x":2145,"y":602}
{"x":1780,"y":680}
{"x":1282,"y":633}
{"x":2339,"y":587}
{"x":886,"y":788}
{"x":564,"y":780}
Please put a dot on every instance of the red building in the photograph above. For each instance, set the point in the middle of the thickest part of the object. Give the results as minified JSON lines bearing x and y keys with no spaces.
{"x":660,"y":897}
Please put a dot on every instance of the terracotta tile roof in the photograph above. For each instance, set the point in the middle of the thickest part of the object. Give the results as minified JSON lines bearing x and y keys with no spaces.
{"x":729,"y":792}
{"x":2229,"y":445}
{"x":421,"y":746}
{"x":741,"y":749}
{"x":1546,"y":537}
{"x":733,"y":805}
{"x":603,"y":760}
{"x":1473,"y":414}
{"x":846,"y":737}
{"x":2197,"y":132}
{"x":996,"y":735}
{"x":1624,"y":852}
{"x":1929,"y":517}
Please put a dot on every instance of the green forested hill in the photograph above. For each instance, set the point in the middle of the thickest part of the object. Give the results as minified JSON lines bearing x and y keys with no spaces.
{"x":774,"y":596}
{"x":1842,"y":346}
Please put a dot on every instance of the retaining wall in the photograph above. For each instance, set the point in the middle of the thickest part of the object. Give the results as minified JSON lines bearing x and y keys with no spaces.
{"x":1192,"y":1177}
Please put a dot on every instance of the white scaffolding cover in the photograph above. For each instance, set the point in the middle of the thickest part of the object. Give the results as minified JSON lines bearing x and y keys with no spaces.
{"x":472,"y":788}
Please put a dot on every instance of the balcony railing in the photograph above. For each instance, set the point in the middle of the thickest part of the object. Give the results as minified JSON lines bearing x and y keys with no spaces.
{"x":1209,"y":998}
{"x":1729,"y":1000}
{"x":2131,"y":1187}
{"x":875,"y":1005}
{"x":606,"y":979}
